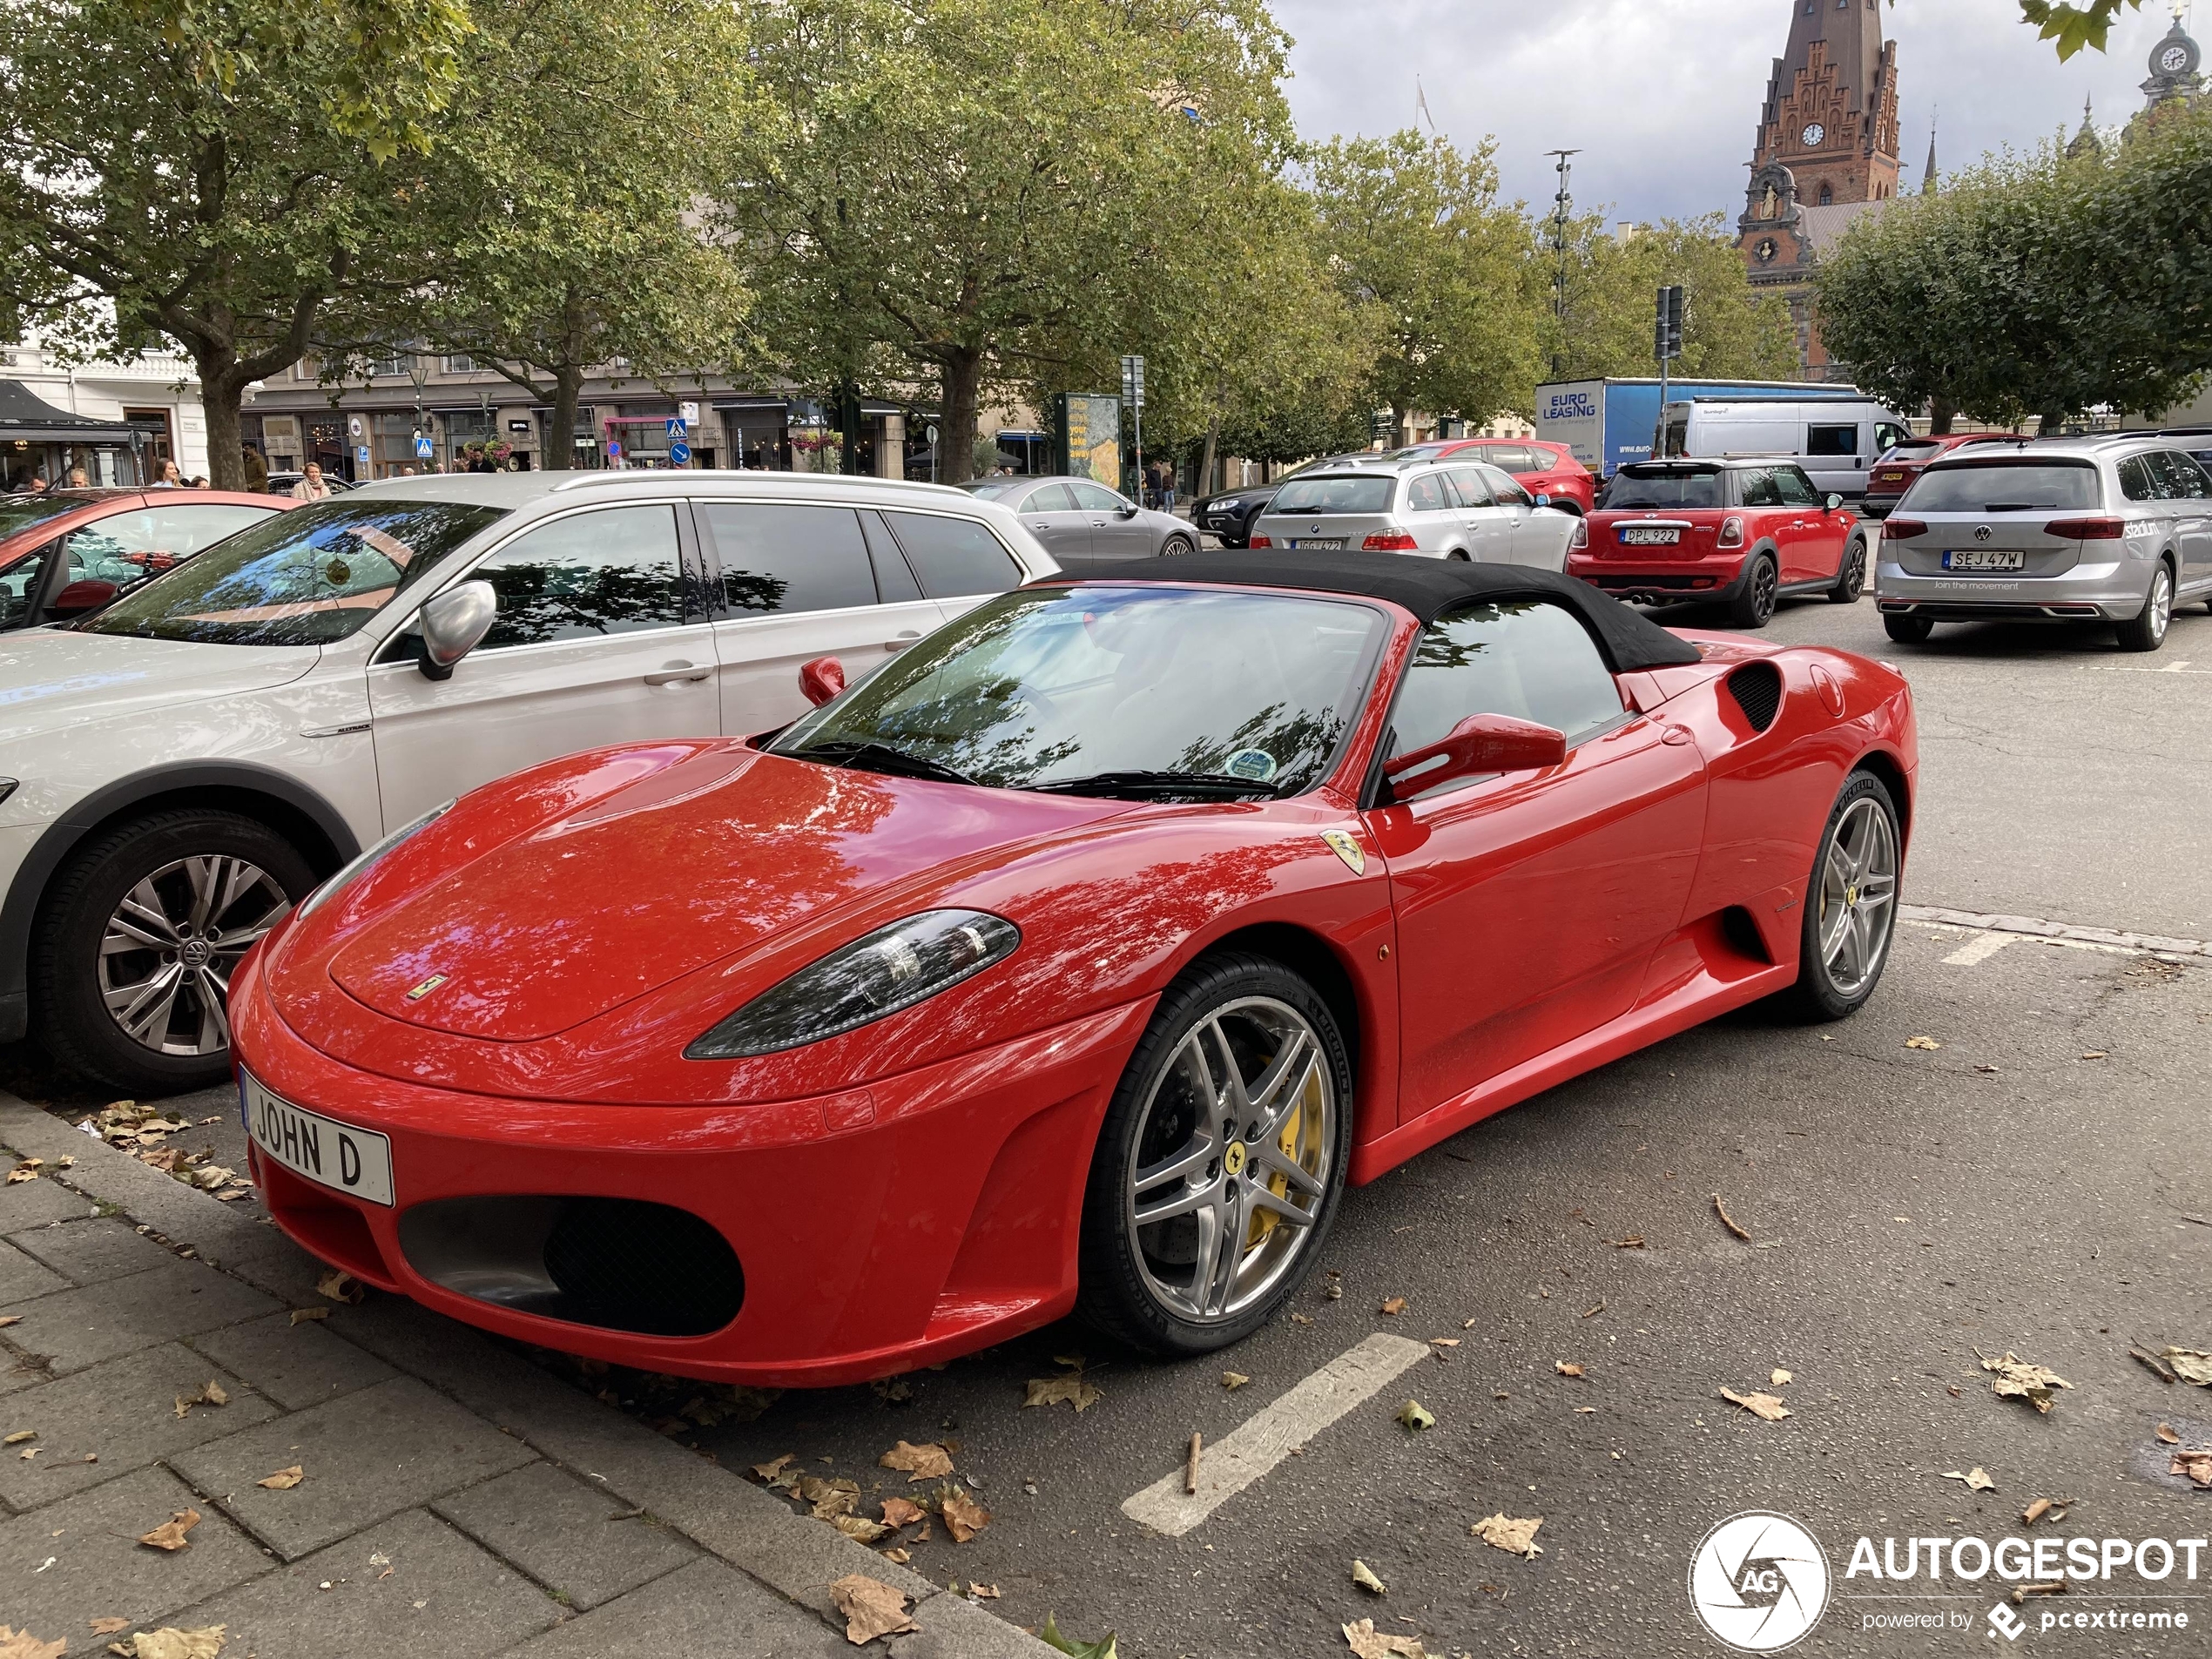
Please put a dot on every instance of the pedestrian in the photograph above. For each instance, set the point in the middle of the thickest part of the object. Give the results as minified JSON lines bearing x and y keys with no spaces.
{"x":199,"y":481}
{"x":1166,"y":487}
{"x":34,"y":485}
{"x":257,"y":469}
{"x":167,"y":474}
{"x":311,"y":486}
{"x":78,"y":480}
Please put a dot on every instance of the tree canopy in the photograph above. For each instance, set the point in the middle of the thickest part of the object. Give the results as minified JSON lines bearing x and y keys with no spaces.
{"x":1730,"y":331}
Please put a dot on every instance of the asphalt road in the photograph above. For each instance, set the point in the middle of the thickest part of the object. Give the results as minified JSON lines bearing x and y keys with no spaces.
{"x":1906,"y":1206}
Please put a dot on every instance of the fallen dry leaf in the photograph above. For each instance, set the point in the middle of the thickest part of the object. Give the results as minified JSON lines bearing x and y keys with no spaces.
{"x":20,"y":1436}
{"x":169,"y":1643}
{"x":2195,"y":1465}
{"x":210,"y":1392}
{"x":1394,"y":1306}
{"x":21,"y":1644}
{"x":108,"y":1627}
{"x":283,"y":1479}
{"x":1233,"y":1381}
{"x":1301,"y":1318}
{"x":871,"y":1608}
{"x":901,"y":1511}
{"x":1977,"y":1478}
{"x":170,"y":1534}
{"x":930,"y":1462}
{"x":1779,"y":1376}
{"x":1515,"y":1537}
{"x":1443,"y":1342}
{"x":2096,"y":1054}
{"x":2017,"y":1379}
{"x":1071,"y":1388}
{"x":1761,"y":1405}
{"x":962,"y":1516}
{"x":901,"y":1556}
{"x":2164,"y":1432}
{"x":1922,"y":1043}
{"x":1414,"y":1416}
{"x":983,"y":1592}
{"x":1367,"y":1642}
{"x":830,"y":1498}
{"x":341,"y":1286}
{"x":26,"y":1171}
{"x":2035,"y":1512}
{"x":1566,"y":1368}
{"x":6,"y":1319}
{"x":300,"y":1316}
{"x":2189,"y":1365}
{"x":859,"y":1527}
{"x":1634,"y":1241}
{"x":29,"y":1452}
{"x":1363,"y":1576}
{"x":774,"y":1468}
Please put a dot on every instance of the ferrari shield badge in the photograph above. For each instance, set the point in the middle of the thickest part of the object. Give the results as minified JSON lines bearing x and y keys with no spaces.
{"x":426,"y":988}
{"x":1344,"y":846}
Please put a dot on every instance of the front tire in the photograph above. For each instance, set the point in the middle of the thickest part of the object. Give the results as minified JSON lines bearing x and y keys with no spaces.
{"x":138,"y":939}
{"x":1221,"y":1161}
{"x":1753,"y":606}
{"x":1850,"y":906}
{"x":1851,"y":581}
{"x":1175,"y":547}
{"x":1908,"y":629}
{"x":2147,"y":631}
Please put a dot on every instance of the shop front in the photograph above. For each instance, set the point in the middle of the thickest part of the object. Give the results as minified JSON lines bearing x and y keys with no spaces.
{"x":38,"y":441}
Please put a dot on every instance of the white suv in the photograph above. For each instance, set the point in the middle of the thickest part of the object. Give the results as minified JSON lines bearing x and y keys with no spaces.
{"x":180,"y":770}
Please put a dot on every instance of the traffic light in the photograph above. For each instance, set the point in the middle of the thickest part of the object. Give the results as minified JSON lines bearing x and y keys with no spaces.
{"x":1668,"y":335}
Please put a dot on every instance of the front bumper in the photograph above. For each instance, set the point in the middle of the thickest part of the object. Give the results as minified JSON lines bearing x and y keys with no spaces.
{"x":2110,"y":592}
{"x":878,"y":1229}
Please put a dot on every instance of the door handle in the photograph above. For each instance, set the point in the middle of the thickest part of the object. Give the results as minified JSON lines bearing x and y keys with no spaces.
{"x":900,"y":641}
{"x":1675,"y":735}
{"x":676,"y":673}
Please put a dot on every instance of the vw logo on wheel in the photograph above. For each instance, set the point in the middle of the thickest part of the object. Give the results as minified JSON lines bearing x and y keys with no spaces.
{"x":1982,"y":532}
{"x":1759,"y":1581}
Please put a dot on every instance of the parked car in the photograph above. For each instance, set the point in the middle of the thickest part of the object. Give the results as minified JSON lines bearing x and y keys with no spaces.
{"x":1894,"y":472}
{"x":2197,"y":440}
{"x":69,"y":552}
{"x":1834,"y":439}
{"x":2117,"y":529}
{"x":280,"y":483}
{"x":1458,"y":510}
{"x":1739,"y":533}
{"x":1228,"y":516}
{"x":1079,"y":922}
{"x":181,"y":769}
{"x":1548,"y":471}
{"x":1079,"y":522}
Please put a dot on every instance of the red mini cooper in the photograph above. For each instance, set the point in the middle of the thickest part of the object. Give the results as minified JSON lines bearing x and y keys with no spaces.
{"x":1741,"y":533}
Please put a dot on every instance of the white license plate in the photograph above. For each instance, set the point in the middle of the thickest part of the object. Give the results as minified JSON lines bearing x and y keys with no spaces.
{"x":1985,"y":558}
{"x":1331,"y":543}
{"x":357,"y":1162}
{"x":1651,"y":536}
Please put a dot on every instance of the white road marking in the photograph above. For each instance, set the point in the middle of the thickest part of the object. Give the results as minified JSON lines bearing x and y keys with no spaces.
{"x":1263,"y":1439}
{"x":2056,"y":933}
{"x":1981,"y":949}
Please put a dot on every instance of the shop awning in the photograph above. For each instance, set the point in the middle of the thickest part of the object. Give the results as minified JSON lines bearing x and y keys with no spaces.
{"x":26,"y":415}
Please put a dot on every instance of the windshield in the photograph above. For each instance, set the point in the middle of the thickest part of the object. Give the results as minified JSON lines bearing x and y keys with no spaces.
{"x":1918,"y":449}
{"x":1364,"y":493}
{"x":2002,"y":487}
{"x":1663,"y":489}
{"x":1084,"y":687}
{"x":305,"y":577}
{"x":21,"y":512}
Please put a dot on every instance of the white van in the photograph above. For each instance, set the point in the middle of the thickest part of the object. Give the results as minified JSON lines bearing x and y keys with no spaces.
{"x":1836,"y":439}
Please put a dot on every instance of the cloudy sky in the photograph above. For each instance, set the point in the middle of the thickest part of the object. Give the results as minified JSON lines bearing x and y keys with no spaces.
{"x":1662,"y":97}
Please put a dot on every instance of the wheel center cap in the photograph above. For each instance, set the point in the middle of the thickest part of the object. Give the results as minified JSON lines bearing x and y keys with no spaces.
{"x":1232,"y":1160}
{"x":194,"y":953}
{"x":1851,"y":897}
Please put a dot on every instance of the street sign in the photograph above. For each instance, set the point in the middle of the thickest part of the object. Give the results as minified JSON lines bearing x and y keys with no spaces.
{"x":614,"y":450}
{"x":681,"y":453}
{"x":423,"y":448}
{"x":688,"y":414}
{"x":361,"y":459}
{"x":676,"y":428}
{"x":1667,"y":333}
{"x":1133,"y":381}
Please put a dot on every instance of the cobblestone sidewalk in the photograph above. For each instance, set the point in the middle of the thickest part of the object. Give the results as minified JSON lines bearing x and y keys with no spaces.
{"x":453,"y":1499}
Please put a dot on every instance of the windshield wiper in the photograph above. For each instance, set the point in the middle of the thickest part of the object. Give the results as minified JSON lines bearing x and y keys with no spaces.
{"x":1209,"y":786}
{"x":882,"y":756}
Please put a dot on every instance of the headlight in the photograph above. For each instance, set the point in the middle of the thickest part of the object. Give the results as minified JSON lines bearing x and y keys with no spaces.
{"x":892,"y":968}
{"x":364,"y":859}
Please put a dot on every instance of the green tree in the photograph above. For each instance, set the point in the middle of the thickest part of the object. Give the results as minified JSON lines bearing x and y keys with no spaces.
{"x":971,"y":197}
{"x":1416,"y":234}
{"x":1730,"y":331}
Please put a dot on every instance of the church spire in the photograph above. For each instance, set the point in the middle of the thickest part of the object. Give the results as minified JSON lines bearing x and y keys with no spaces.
{"x":1928,"y":178}
{"x":2085,"y":142}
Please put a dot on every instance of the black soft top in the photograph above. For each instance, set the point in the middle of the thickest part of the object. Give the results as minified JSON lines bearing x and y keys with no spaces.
{"x":1428,"y":587}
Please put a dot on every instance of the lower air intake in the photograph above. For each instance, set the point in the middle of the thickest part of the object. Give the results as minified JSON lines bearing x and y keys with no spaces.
{"x":1756,"y":688}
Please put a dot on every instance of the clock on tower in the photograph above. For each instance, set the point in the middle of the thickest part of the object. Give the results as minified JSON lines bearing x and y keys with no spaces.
{"x":1813,"y":134}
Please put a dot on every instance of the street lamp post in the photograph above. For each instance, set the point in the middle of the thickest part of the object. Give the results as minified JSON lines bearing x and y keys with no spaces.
{"x":418,"y":370}
{"x":1562,"y":205}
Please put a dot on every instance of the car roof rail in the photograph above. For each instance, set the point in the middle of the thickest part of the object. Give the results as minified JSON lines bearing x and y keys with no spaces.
{"x":662,"y":478}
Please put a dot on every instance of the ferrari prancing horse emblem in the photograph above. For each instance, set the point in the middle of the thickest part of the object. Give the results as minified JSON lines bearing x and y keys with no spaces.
{"x":1345,"y":847}
{"x":426,"y":988}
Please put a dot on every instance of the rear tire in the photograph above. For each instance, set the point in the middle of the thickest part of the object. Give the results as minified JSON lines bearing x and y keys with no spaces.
{"x":1908,"y":630}
{"x":1459,"y":555}
{"x":1753,"y":606}
{"x":1851,"y":581}
{"x":147,"y":924}
{"x":1179,"y":1139}
{"x":2147,"y":631}
{"x":1850,"y":906}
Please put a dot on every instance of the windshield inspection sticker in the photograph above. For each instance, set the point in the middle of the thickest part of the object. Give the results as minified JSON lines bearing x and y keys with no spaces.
{"x":1255,"y":764}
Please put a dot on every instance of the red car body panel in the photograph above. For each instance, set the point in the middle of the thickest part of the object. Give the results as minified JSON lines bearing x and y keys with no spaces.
{"x":1893,"y":473}
{"x":912,"y":1189}
{"x":94,"y":505}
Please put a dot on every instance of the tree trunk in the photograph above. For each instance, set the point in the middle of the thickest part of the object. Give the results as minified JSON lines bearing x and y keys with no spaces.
{"x":560,"y":439}
{"x":2049,"y":422}
{"x":1398,"y":433}
{"x":1204,"y":486}
{"x":221,"y":386}
{"x":1942,"y":412}
{"x":963,"y":375}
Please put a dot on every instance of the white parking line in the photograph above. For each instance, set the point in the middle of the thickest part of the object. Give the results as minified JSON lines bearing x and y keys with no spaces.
{"x":2056,"y":933}
{"x":1981,"y":949}
{"x":1263,"y":1439}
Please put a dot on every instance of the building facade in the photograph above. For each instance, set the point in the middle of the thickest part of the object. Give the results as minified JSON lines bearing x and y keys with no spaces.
{"x":118,"y":421}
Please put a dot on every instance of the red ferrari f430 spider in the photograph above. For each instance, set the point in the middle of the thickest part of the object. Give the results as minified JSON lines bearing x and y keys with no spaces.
{"x":1080,"y":957}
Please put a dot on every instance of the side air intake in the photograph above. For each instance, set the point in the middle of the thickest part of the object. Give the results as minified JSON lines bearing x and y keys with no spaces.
{"x":1756,"y":688}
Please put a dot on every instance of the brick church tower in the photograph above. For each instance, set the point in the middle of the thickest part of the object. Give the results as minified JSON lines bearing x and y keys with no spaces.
{"x":1827,"y":151}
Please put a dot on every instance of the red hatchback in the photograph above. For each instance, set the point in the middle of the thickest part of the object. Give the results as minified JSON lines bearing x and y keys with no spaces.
{"x":1894,"y":473}
{"x":1742,"y":533}
{"x":69,"y":552}
{"x":1548,"y":471}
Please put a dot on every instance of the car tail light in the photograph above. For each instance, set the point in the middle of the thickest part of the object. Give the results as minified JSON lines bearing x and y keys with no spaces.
{"x":1580,"y":539}
{"x":1259,"y":540}
{"x":1731,"y":532}
{"x":1390,"y":542}
{"x":2087,"y":530}
{"x":1902,"y":529}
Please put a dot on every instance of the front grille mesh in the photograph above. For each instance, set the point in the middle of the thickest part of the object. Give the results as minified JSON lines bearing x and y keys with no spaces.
{"x":1756,"y":688}
{"x":637,"y":1266}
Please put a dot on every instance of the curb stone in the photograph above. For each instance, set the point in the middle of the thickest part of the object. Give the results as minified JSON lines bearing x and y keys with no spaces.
{"x":716,"y":1509}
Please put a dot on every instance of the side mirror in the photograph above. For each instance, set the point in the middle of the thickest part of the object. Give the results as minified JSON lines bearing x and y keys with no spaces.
{"x":1834,"y":501}
{"x":821,"y":679}
{"x":1127,"y":510}
{"x":86,"y":593}
{"x":1482,"y":743}
{"x":453,"y":623}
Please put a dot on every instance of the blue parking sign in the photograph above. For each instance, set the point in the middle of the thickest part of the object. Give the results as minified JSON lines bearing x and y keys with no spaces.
{"x":681,"y":453}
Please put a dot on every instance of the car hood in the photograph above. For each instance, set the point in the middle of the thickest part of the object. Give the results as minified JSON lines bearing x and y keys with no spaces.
{"x":51,"y":679}
{"x":727,"y":853}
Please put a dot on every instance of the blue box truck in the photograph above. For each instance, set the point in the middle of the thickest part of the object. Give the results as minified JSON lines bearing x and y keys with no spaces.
{"x":1609,"y":423}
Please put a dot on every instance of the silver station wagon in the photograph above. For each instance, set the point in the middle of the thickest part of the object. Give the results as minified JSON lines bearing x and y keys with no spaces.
{"x":1458,"y":511}
{"x":2114,"y":529}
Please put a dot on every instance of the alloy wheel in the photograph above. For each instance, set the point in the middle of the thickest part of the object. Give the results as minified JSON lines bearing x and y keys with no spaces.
{"x":2162,"y":603}
{"x":1230,"y":1164}
{"x":1764,"y":583}
{"x":171,"y":945}
{"x":1858,"y":897}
